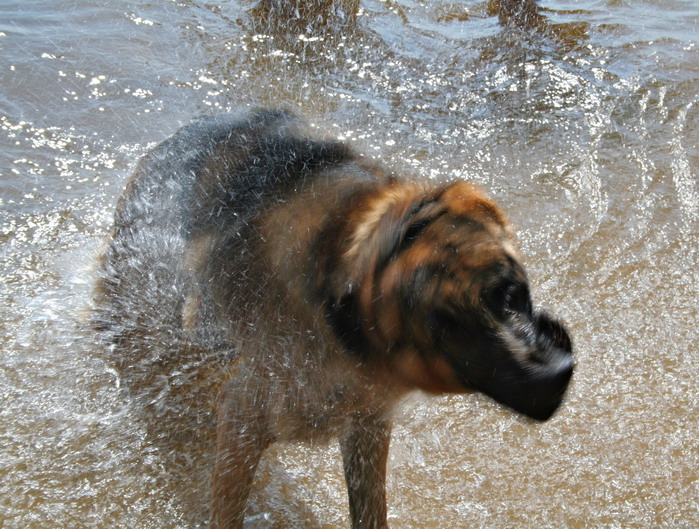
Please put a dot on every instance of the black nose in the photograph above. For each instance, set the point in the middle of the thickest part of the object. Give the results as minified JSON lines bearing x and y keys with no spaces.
{"x":535,"y":390}
{"x":548,"y":388}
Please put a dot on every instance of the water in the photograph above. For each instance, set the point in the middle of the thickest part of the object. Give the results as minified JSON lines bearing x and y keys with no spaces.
{"x":590,"y":145}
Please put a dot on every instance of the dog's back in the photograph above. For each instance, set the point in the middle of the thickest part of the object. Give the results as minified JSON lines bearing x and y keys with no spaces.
{"x":209,"y":180}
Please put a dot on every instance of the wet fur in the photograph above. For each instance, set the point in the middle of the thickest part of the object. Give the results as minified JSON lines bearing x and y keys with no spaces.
{"x":324,"y":287}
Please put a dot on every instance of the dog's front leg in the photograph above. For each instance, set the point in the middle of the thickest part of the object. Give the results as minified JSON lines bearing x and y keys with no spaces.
{"x":241,"y":439}
{"x":364,"y":454}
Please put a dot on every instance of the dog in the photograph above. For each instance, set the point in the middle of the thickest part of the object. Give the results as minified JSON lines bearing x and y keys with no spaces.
{"x":331,"y":288}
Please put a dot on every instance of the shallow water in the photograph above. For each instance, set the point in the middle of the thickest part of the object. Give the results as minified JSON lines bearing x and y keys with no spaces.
{"x":590,"y":145}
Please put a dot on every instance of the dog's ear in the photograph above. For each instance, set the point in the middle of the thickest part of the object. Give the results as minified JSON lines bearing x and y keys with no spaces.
{"x":467,"y":200}
{"x":395,"y":235}
{"x":389,"y":224}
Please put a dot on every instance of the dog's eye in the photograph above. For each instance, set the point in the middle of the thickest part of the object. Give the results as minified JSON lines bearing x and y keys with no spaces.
{"x":517,"y":299}
{"x":507,"y":297}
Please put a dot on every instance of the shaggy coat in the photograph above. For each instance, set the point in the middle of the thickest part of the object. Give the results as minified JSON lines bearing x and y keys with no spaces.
{"x":328,"y":288}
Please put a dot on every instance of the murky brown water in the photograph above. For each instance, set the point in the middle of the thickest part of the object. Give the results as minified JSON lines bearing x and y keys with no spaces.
{"x":591,"y":146}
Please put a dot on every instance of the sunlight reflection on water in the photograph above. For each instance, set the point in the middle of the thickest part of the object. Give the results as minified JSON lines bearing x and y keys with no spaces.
{"x":590,"y":148}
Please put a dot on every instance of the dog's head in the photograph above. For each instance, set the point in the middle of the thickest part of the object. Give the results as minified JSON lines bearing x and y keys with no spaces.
{"x":433,"y":283}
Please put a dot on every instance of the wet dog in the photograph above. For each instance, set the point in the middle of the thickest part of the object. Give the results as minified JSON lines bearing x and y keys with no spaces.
{"x":333,"y":286}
